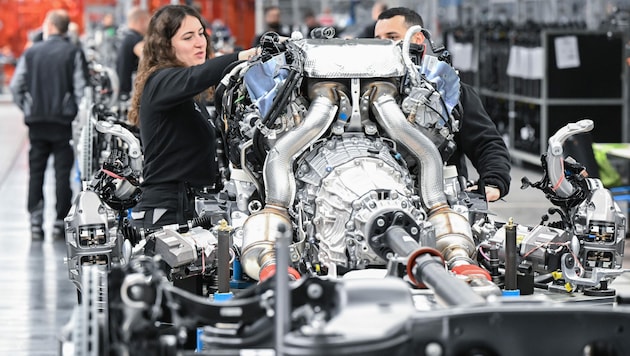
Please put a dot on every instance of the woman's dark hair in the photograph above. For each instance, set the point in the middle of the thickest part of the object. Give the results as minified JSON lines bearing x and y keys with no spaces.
{"x":412,"y":18}
{"x":158,"y":52}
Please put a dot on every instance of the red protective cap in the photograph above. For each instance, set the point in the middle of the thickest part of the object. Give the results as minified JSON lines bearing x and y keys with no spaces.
{"x":270,"y":270}
{"x":469,"y":270}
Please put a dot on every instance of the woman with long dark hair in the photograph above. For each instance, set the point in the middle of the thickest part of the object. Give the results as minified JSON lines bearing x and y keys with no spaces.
{"x":177,"y":133}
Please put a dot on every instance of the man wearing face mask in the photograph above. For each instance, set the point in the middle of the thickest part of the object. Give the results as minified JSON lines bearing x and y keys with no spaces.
{"x":478,"y":138}
{"x":272,"y":24}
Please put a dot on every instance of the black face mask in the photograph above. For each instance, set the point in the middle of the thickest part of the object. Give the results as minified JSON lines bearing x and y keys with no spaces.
{"x":274,"y":26}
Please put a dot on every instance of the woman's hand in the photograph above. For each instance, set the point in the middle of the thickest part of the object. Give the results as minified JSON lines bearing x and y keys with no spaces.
{"x":248,"y":53}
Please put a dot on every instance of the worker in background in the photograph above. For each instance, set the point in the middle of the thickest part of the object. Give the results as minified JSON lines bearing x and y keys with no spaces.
{"x":221,"y":37}
{"x":478,"y":138}
{"x":310,"y":23}
{"x":107,"y":41}
{"x":48,"y":85}
{"x":326,"y":18}
{"x":368,"y":31}
{"x":273,"y":23}
{"x":127,"y":59}
{"x":33,"y":36}
{"x":74,"y":34}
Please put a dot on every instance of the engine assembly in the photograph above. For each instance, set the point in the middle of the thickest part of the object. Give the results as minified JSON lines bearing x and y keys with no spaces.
{"x":337,"y":147}
{"x":334,"y":164}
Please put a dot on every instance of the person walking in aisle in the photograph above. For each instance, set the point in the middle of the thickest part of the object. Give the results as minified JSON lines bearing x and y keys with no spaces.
{"x":48,"y":85}
{"x":478,"y":138}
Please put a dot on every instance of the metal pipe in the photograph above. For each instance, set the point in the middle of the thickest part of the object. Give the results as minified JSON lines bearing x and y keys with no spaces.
{"x":452,"y":230}
{"x":555,"y":157}
{"x":259,"y":230}
{"x":277,"y":173}
{"x":394,"y":122}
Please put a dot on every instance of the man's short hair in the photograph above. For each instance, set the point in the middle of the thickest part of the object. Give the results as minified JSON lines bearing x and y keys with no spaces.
{"x":136,"y":14}
{"x":59,"y":19}
{"x":412,"y":18}
{"x":270,"y":7}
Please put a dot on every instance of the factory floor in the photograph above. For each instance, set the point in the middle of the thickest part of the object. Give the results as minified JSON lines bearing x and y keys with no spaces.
{"x":36,"y":296}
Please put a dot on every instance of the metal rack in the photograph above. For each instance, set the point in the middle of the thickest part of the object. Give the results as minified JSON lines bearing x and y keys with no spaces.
{"x":475,"y":12}
{"x":528,"y":111}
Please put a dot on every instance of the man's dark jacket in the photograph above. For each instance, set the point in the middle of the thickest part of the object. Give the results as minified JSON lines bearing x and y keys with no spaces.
{"x":127,"y":61}
{"x":479,"y":140}
{"x":49,"y":81}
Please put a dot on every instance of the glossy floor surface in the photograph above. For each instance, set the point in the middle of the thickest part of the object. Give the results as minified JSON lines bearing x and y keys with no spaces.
{"x":36,"y":296}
